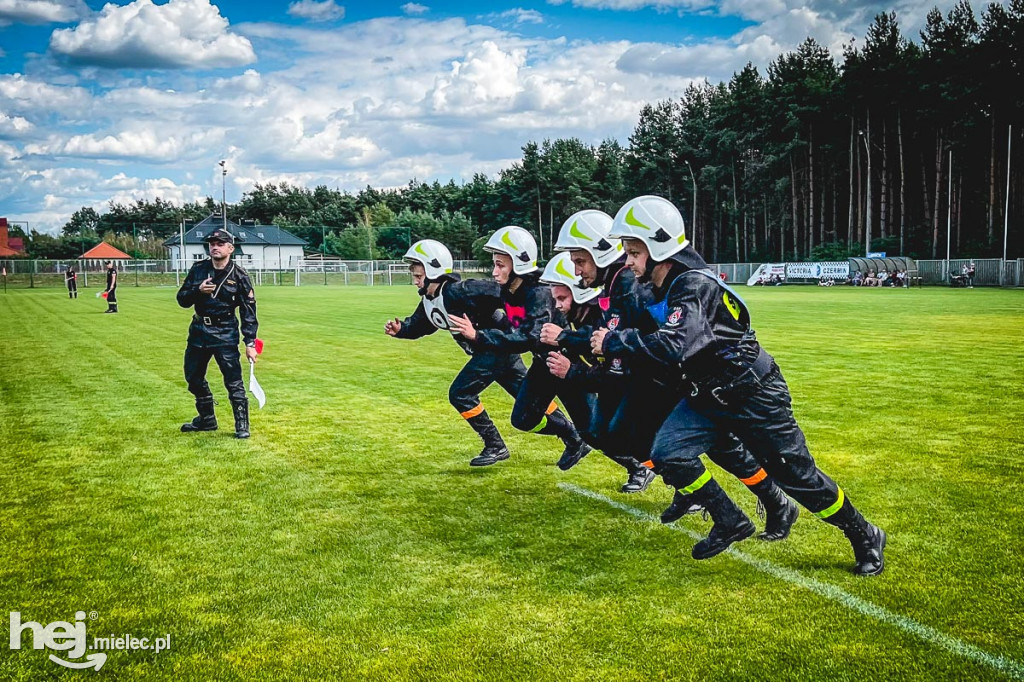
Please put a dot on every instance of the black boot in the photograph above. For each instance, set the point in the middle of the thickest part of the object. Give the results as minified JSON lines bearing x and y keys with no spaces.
{"x":241,"y":410}
{"x":639,"y":476}
{"x":868,"y":540}
{"x":682,"y":505}
{"x":207,"y":419}
{"x":575,"y":450}
{"x":494,"y":446}
{"x":731,"y":524}
{"x":780,"y":511}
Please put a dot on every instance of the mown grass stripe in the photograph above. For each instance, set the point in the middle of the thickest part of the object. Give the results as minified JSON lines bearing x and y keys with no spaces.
{"x":1005,"y":665}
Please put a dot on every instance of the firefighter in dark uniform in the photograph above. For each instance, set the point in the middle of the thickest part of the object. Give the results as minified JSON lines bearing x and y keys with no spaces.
{"x":111,"y":289}
{"x":582,"y":374}
{"x":528,"y":305}
{"x":734,"y":386}
{"x":445,"y":294}
{"x":71,"y":279}
{"x":635,"y":401}
{"x":214,"y":288}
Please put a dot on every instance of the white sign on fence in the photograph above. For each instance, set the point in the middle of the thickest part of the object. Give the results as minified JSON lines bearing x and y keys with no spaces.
{"x":821,"y":270}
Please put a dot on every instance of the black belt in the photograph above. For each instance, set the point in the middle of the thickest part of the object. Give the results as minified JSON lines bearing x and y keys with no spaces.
{"x":213,"y":319}
{"x":761,"y":367}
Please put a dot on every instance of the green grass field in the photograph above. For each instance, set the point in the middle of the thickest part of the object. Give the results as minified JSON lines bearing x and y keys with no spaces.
{"x":348,"y":539}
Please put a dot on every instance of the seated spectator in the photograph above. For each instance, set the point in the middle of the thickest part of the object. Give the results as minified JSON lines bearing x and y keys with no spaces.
{"x":858,"y":279}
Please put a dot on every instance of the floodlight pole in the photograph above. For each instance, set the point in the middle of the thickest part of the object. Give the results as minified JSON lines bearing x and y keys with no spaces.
{"x":224,"y":193}
{"x":1006,"y":213}
{"x":693,"y":223}
{"x":949,"y":211}
{"x":867,"y":226}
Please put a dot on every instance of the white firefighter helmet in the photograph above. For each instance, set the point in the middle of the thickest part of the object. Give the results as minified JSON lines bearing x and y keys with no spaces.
{"x":559,"y":270}
{"x":434,"y":256}
{"x":588,"y":231}
{"x":517,"y":244}
{"x":654,"y":221}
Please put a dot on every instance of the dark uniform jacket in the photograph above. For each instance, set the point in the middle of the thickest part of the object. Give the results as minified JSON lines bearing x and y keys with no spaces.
{"x":528,"y":305}
{"x":111,"y":279}
{"x":696,"y":328}
{"x":479,"y":300}
{"x":586,"y":372}
{"x":214,"y":323}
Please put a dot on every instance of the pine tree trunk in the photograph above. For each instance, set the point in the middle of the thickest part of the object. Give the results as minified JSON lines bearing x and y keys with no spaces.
{"x":811,"y":216}
{"x":903,"y":185}
{"x":936,"y":210}
{"x":992,"y":185}
{"x":883,"y":212}
{"x":735,"y":213}
{"x":926,"y":197}
{"x":859,"y":224}
{"x":714,"y":227}
{"x":796,"y":209}
{"x":850,"y":210}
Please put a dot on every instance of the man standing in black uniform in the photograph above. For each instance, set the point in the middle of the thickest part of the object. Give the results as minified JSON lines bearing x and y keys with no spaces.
{"x":736,"y":387}
{"x":445,"y":294}
{"x":111,"y":289}
{"x":71,"y":279}
{"x":215,"y":287}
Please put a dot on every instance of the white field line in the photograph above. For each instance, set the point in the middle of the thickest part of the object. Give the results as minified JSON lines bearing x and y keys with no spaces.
{"x":1005,"y":665}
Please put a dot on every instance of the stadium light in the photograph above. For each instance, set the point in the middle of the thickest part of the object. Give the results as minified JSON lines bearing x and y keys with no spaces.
{"x":867,"y":226}
{"x":224,"y":193}
{"x":693,"y":223}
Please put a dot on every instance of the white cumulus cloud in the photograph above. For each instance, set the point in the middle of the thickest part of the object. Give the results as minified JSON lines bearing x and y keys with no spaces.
{"x":178,"y":34}
{"x":316,"y":11}
{"x":40,"y":11}
{"x":413,"y":8}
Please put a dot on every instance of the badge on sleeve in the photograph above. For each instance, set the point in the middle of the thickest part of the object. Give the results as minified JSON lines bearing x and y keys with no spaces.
{"x":674,"y":317}
{"x":613,"y":323}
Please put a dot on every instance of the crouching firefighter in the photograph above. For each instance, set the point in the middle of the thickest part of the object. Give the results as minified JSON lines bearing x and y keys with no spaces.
{"x":582,"y":372}
{"x":445,"y":294}
{"x":214,"y":288}
{"x":528,"y":305}
{"x":734,"y":386}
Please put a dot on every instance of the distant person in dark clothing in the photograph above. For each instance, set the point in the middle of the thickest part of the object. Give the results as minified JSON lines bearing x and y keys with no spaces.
{"x":71,"y":279}
{"x":111,"y":290}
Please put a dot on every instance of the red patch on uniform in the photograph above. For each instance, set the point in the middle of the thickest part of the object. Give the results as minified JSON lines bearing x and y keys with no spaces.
{"x":673,"y":318}
{"x":613,"y":323}
{"x":516,"y":314}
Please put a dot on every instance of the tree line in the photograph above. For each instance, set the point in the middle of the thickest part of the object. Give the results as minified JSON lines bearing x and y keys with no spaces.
{"x":888,"y":148}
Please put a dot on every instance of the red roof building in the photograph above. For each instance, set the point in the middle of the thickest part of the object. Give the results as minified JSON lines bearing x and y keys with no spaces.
{"x":9,"y":248}
{"x":105,"y":251}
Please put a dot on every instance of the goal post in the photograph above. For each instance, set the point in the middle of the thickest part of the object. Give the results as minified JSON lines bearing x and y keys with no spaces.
{"x":398,"y":273}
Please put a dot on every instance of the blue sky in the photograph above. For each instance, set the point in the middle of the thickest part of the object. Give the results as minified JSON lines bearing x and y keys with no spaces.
{"x":133,"y":100}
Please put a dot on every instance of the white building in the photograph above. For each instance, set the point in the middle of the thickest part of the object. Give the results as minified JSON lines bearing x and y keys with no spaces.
{"x":257,"y":247}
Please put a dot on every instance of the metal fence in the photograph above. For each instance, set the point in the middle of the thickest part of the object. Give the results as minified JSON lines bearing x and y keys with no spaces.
{"x":23,"y":274}
{"x":988,"y":271}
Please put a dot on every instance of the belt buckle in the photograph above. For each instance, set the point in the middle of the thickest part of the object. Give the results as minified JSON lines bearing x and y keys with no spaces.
{"x":714,"y":394}
{"x":207,"y":321}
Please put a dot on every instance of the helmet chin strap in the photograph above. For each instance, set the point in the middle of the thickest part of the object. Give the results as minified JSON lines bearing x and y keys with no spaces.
{"x":648,"y":269}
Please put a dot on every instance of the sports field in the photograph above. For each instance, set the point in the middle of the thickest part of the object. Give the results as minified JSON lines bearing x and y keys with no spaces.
{"x":348,"y":538}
